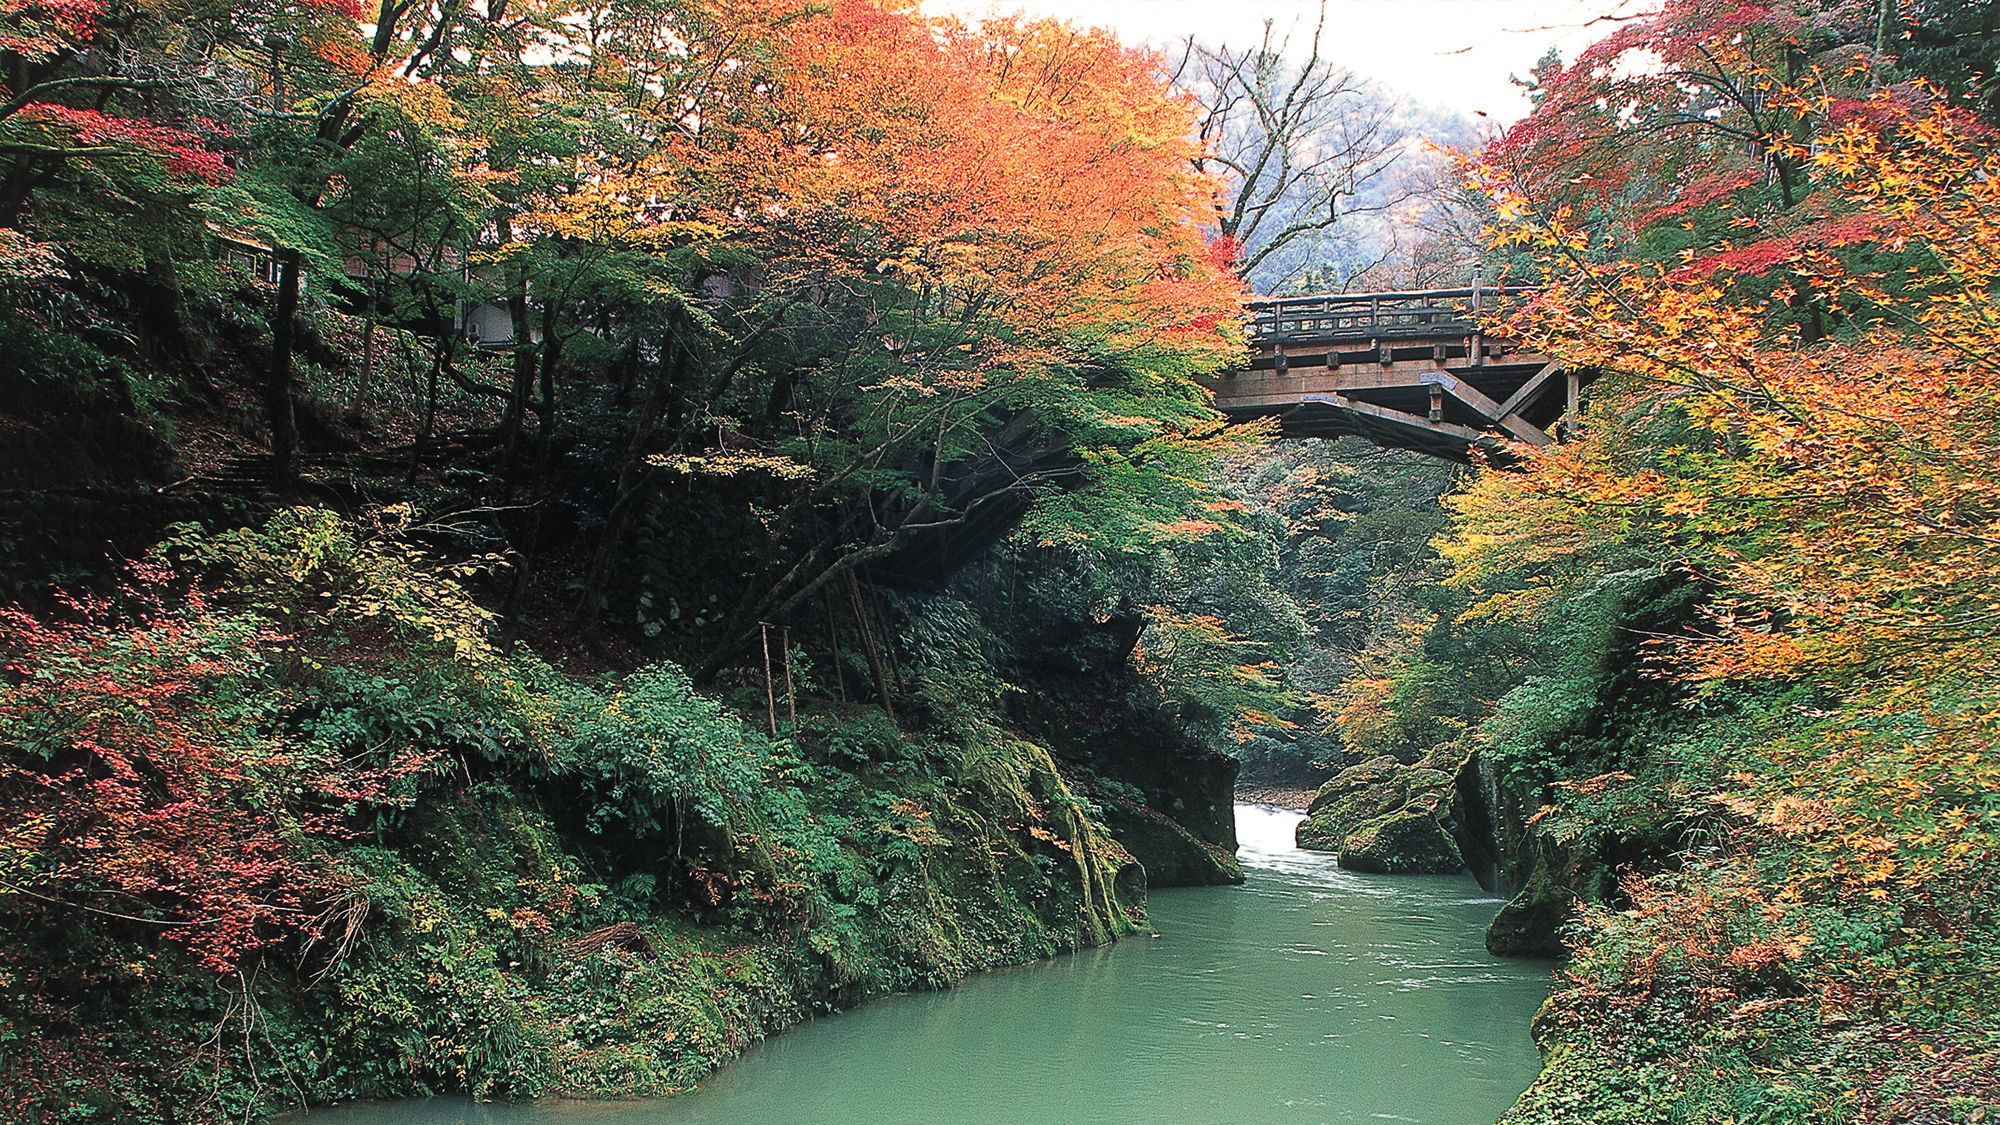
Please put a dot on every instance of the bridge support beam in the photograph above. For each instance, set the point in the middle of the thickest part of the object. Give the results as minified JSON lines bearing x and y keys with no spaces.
{"x":1532,"y":389}
{"x":1450,"y":429}
{"x":1496,"y":413}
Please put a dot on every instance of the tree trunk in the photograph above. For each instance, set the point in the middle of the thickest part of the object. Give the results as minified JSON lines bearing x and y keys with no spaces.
{"x":518,"y":312}
{"x":833,"y":645}
{"x":868,"y":645}
{"x":545,"y":417}
{"x":278,"y":385}
{"x":524,"y":381}
{"x":584,"y":622}
{"x":367,"y":366}
{"x":441,"y":357}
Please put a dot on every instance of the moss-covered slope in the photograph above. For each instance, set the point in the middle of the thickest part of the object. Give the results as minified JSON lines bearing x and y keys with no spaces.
{"x":470,"y":872}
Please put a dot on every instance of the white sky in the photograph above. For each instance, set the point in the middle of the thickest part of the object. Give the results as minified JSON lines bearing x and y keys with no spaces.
{"x":1450,"y":53}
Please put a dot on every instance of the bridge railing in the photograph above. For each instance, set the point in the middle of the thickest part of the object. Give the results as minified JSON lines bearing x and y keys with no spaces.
{"x":1417,"y":312}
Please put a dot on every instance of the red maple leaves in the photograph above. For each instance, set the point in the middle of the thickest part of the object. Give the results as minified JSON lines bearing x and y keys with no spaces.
{"x":142,"y":778}
{"x":181,"y":151}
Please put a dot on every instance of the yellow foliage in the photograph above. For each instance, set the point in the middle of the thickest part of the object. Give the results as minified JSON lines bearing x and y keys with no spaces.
{"x":1838,"y":493}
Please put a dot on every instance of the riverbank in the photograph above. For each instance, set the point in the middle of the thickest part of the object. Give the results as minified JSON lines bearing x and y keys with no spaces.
{"x":474,"y":874}
{"x":1308,"y":995}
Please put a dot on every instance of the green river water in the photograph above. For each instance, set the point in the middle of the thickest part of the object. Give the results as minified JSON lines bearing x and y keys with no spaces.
{"x":1308,"y":996}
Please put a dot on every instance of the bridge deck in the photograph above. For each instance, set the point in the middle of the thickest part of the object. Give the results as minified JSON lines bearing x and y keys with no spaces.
{"x":1408,"y":370}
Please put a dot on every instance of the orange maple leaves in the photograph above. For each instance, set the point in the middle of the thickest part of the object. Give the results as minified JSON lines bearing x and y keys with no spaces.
{"x":1024,"y":168}
{"x":1840,"y":495}
{"x":1846,"y":487}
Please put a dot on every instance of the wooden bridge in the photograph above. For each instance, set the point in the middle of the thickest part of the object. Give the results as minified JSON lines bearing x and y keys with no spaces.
{"x":1408,"y":370}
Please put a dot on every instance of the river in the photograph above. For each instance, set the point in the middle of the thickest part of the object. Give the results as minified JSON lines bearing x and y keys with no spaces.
{"x":1308,"y":996}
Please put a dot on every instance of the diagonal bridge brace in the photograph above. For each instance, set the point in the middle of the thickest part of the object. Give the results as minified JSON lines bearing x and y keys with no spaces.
{"x":1503,"y":414}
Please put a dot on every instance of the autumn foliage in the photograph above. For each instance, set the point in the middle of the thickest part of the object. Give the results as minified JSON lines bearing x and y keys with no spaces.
{"x":1839,"y":493}
{"x":1798,"y":417}
{"x":844,"y":288}
{"x":147,"y":780}
{"x":1023,"y":166}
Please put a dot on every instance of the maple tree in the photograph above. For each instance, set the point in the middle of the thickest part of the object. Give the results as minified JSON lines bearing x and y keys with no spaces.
{"x":1839,"y":493}
{"x":1796,"y":424}
{"x":1734,"y":91}
{"x":103,"y":126}
{"x":139,"y":784}
{"x":736,"y":213}
{"x":1734,"y":636}
{"x":1020,"y":258}
{"x":349,"y":123}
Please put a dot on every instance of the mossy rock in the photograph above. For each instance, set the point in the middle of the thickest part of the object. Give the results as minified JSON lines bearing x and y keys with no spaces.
{"x":1531,"y":923}
{"x":1353,"y":780}
{"x":1407,"y":842}
{"x":1386,"y":817}
{"x":1319,"y":834}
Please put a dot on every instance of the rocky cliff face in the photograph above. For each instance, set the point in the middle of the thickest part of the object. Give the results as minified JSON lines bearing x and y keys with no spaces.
{"x":1172,"y":855}
{"x":1167,"y":798}
{"x":1551,"y":865}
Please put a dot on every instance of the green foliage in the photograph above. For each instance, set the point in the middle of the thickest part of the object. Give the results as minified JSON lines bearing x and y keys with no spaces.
{"x":544,"y":886}
{"x":653,"y":751}
{"x":1327,"y":589}
{"x":31,"y":353}
{"x":1269,"y":598}
{"x":1951,"y":43}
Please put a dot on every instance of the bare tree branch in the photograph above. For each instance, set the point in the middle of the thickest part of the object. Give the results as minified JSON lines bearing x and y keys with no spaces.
{"x":1296,"y":144}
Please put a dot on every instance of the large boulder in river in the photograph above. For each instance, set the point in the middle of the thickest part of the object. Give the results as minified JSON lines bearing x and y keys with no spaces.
{"x":1386,"y":817}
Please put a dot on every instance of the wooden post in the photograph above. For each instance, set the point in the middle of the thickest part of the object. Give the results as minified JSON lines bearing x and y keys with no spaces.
{"x":770,"y":691}
{"x":1573,"y":409}
{"x":868,"y":644}
{"x":1437,"y":403}
{"x":833,"y":643}
{"x":791,"y":697}
{"x":883,"y":637}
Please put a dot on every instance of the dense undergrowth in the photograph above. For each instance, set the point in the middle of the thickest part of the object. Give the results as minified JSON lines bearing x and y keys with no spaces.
{"x":481,"y":493}
{"x":297,"y":832}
